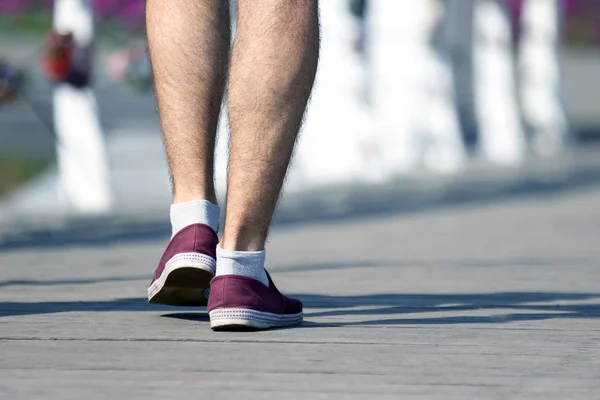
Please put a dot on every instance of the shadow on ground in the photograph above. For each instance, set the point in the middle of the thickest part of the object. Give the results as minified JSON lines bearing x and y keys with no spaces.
{"x":387,"y":308}
{"x":374,"y":309}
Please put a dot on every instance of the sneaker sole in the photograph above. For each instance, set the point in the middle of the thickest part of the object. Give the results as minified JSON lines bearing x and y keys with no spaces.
{"x":243,"y":318}
{"x":184,"y":284}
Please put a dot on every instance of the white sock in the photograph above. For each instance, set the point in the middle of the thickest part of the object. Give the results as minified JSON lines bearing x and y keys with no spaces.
{"x":194,"y":212}
{"x":245,"y":263}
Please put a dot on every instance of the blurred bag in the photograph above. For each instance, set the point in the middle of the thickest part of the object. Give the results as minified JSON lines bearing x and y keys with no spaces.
{"x":57,"y":56}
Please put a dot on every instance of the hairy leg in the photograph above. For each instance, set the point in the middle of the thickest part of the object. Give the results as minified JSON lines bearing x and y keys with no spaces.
{"x":272,"y":72}
{"x":189,"y":43}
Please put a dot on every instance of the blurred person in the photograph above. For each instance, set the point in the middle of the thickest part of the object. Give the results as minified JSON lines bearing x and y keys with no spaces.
{"x":358,"y":9}
{"x":271,"y":74}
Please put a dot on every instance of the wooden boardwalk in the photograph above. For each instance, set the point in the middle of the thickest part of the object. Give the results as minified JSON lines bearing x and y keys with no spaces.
{"x":497,"y":300}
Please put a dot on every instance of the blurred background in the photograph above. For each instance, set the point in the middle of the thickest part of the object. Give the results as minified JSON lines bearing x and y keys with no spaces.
{"x":416,"y":102}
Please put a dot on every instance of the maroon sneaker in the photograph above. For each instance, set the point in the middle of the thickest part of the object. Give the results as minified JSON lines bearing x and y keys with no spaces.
{"x":186,"y":268}
{"x":242,"y":302}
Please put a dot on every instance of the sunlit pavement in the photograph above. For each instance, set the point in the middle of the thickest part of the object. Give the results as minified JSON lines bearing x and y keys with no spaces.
{"x":497,"y":298}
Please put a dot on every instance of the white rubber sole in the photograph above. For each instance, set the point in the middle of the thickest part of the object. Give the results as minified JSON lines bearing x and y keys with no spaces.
{"x":182,"y":283}
{"x":232,"y":318}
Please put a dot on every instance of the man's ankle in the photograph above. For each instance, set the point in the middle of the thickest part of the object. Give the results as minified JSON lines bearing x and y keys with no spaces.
{"x":185,"y":195}
{"x":243,"y":240}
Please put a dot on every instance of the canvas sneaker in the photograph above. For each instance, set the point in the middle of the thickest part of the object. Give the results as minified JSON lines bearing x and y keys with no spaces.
{"x":241,"y":302}
{"x":186,"y":268}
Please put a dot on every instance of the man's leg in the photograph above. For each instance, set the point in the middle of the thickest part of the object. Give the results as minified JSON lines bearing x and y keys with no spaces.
{"x":271,"y":76}
{"x":189,"y":44}
{"x":272,"y":72}
{"x":189,"y":48}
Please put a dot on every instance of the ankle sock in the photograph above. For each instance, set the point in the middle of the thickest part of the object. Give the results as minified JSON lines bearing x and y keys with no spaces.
{"x":194,"y":212}
{"x":244,"y":263}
